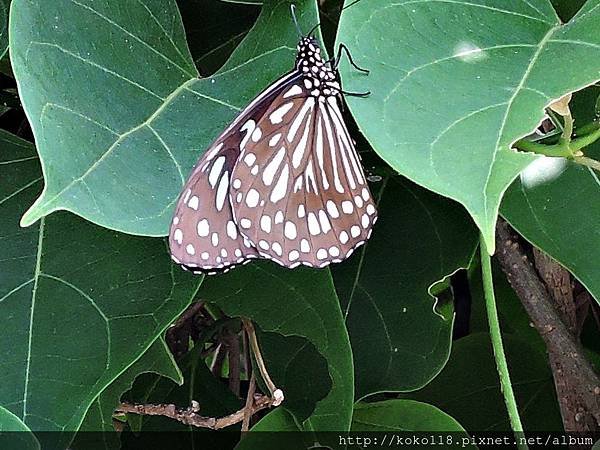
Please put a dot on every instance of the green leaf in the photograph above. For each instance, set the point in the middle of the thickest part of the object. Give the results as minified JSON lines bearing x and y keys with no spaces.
{"x":80,"y":303}
{"x":261,"y":436}
{"x":214,"y":29}
{"x":116,"y":106}
{"x":556,"y":207}
{"x":403,"y":415}
{"x":300,"y":302}
{"x":453,"y":84}
{"x":298,"y":369}
{"x":4,"y":8}
{"x":14,"y":434}
{"x":399,"y":342}
{"x":213,"y":396}
{"x":469,"y":390}
{"x":157,"y":359}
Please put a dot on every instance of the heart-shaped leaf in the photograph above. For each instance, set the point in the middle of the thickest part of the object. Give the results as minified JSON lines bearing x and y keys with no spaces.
{"x":398,"y":340}
{"x":80,"y":303}
{"x":300,"y":302}
{"x":116,"y":107}
{"x":454,"y":83}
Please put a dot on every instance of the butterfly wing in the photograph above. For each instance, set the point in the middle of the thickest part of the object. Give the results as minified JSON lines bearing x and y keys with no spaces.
{"x":298,"y":191}
{"x":203,"y":235}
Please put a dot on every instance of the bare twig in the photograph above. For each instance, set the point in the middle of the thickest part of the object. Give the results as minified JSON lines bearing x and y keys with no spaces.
{"x":249,"y":400}
{"x":577,"y":385}
{"x":558,"y":283}
{"x":177,"y":336}
{"x":276,"y":393}
{"x":216,"y":366}
{"x":233,"y":351}
{"x":190,"y":416}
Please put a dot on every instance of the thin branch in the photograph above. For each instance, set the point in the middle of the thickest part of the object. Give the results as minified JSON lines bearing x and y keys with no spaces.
{"x":178,"y":334}
{"x":249,"y":400}
{"x":276,"y":393}
{"x":190,"y":416}
{"x":577,"y":385}
{"x":233,"y":351}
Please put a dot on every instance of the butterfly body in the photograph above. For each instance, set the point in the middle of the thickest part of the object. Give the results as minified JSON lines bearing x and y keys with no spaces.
{"x":282,"y":182}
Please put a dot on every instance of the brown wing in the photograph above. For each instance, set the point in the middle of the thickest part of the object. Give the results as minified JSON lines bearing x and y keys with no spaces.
{"x":298,"y":190}
{"x":204,"y":235}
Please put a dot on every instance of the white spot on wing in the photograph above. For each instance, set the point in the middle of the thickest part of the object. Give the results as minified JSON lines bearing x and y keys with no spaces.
{"x":178,"y":236}
{"x":252,"y":198}
{"x":313,"y":224}
{"x":222,"y":191}
{"x":193,"y":203}
{"x":272,"y":167}
{"x":216,"y":170}
{"x":294,"y":90}
{"x":231,"y":230}
{"x":290,"y":230}
{"x":277,"y":116}
{"x":203,"y":228}
{"x":280,"y":189}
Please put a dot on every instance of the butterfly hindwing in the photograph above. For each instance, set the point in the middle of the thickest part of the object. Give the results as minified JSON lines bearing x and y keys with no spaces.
{"x":203,"y":234}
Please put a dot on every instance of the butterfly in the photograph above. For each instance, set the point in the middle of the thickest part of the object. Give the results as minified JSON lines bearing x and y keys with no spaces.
{"x":282,"y":182}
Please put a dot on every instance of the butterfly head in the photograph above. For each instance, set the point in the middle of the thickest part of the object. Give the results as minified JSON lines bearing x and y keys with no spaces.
{"x":310,"y":62}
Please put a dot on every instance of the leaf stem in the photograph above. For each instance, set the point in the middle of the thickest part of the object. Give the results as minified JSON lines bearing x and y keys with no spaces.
{"x":276,"y":394}
{"x":496,"y":337}
{"x":588,"y":162}
{"x":585,"y":140}
{"x":556,"y":150}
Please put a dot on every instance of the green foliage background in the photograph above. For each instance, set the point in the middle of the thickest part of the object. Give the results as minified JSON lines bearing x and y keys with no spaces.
{"x":123,"y":98}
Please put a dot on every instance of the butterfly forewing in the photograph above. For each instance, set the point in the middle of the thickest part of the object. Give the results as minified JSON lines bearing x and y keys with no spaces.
{"x":203,"y":235}
{"x":298,"y":191}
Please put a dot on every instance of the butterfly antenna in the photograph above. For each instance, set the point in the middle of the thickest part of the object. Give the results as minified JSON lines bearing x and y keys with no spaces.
{"x":293,"y":11}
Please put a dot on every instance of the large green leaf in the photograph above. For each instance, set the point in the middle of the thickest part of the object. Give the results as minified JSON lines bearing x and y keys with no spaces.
{"x":398,"y":340}
{"x":300,"y":302}
{"x":454,"y":83}
{"x":158,"y":360}
{"x":469,"y":389}
{"x":116,"y":107}
{"x":14,"y":434}
{"x":80,"y":304}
